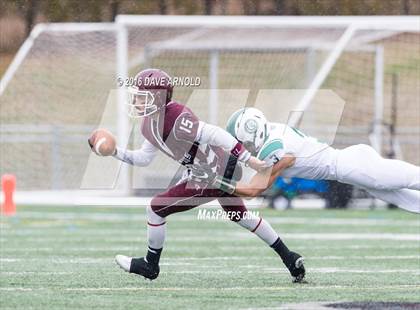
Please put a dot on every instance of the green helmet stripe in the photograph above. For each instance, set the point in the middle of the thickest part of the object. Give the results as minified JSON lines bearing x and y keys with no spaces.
{"x":270,"y":148}
{"x":230,"y":126}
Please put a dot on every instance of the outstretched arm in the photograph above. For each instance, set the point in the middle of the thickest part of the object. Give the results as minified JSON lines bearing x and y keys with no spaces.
{"x":141,"y":157}
{"x":264,"y":179}
{"x":259,"y":183}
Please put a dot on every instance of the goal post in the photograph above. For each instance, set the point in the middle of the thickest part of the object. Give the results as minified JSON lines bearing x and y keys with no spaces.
{"x":51,"y":98}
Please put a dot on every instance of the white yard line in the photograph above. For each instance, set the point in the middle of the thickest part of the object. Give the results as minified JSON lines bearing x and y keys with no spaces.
{"x":343,"y":270}
{"x":258,"y":270}
{"x":79,"y":260}
{"x":351,"y":236}
{"x":72,"y":234}
{"x":316,"y":236}
{"x":37,"y":273}
{"x":231,"y":248}
{"x":253,"y":270}
{"x":117,"y":217}
{"x":397,"y":257}
{"x":23,"y":289}
{"x":171,"y":261}
{"x":264,"y":288}
{"x":369,"y":257}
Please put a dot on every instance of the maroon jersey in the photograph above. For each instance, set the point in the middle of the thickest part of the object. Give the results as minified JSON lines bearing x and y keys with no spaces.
{"x":175,"y":131}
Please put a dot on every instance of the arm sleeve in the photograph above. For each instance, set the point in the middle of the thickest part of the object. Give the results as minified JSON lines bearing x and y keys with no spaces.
{"x":214,"y":135}
{"x":141,"y":157}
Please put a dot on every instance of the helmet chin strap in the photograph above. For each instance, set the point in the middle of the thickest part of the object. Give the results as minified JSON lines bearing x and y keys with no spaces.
{"x":265,"y":132}
{"x":254,"y":151}
{"x":265,"y":138}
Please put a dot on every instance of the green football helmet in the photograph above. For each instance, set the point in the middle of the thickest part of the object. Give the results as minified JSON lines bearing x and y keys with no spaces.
{"x":249,"y":126}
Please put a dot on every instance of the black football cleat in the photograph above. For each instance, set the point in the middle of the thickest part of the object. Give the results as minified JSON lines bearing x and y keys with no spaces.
{"x":294,"y":262}
{"x":138,"y":266}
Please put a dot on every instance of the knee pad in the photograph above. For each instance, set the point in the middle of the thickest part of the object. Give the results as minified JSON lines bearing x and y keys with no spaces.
{"x":153,"y":217}
{"x":250,"y":223}
{"x":158,"y":206}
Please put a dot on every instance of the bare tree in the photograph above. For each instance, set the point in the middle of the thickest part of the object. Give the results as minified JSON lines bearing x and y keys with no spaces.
{"x":280,"y":7}
{"x":163,"y":8}
{"x":251,"y":7}
{"x":208,"y":7}
{"x":114,"y":8}
{"x":405,"y":7}
{"x":223,"y":6}
{"x":30,"y":14}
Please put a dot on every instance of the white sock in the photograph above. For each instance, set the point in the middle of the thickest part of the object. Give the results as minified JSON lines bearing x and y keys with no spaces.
{"x":261,"y":228}
{"x":156,"y":229}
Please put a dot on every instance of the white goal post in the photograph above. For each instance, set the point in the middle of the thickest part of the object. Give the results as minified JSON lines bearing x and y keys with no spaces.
{"x":368,"y":61}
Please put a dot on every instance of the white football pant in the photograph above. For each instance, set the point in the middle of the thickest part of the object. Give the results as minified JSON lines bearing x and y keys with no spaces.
{"x":390,"y":180}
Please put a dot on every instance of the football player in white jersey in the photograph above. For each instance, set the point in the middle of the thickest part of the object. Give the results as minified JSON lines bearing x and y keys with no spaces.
{"x":290,"y":153}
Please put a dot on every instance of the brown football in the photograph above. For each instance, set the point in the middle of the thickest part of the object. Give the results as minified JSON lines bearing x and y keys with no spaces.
{"x":102,"y":142}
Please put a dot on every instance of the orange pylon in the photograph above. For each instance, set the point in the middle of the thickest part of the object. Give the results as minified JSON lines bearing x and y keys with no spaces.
{"x":8,"y":185}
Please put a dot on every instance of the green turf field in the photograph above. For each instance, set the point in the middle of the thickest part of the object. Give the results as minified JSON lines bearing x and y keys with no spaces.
{"x":63,"y":257}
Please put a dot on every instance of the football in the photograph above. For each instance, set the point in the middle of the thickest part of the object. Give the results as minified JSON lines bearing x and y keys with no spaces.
{"x":102,"y":142}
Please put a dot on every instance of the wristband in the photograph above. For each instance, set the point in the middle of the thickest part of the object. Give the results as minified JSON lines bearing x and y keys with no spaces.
{"x":245,"y":156}
{"x":224,"y":185}
{"x":240,"y":152}
{"x":118,"y":153}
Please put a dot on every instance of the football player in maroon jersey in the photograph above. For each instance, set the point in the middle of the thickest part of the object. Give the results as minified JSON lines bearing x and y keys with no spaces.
{"x":173,"y":128}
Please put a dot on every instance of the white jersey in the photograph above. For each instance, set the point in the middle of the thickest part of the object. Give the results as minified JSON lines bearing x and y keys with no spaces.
{"x":314,"y":160}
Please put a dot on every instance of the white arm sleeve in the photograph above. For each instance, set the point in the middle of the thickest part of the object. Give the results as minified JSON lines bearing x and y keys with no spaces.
{"x":214,"y":135}
{"x":141,"y":157}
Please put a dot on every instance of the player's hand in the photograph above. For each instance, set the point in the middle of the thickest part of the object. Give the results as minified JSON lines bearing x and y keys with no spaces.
{"x":256,"y":164}
{"x":201,"y":174}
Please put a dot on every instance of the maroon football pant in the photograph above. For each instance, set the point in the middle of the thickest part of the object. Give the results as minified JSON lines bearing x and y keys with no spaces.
{"x":185,"y":196}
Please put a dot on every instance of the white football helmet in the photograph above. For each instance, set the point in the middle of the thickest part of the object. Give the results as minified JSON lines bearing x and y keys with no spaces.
{"x":249,"y":126}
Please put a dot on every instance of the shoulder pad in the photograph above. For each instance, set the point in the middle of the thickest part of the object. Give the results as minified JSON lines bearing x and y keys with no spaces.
{"x":270,"y":147}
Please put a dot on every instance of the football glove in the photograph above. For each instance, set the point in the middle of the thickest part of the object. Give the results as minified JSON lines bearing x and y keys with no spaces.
{"x":201,"y":173}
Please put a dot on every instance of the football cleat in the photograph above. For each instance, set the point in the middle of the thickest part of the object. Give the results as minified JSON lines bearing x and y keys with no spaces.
{"x":138,"y":266}
{"x":294,"y":262}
